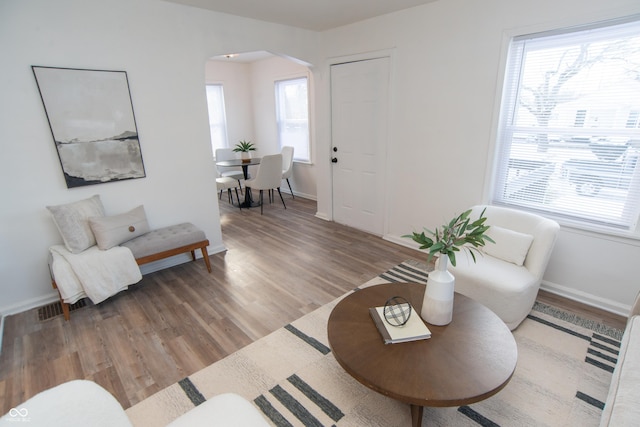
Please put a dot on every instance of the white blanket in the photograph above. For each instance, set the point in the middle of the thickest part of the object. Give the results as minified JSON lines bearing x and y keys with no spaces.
{"x":95,"y":273}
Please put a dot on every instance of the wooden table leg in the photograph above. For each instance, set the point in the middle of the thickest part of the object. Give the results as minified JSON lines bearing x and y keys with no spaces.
{"x":416,"y":415}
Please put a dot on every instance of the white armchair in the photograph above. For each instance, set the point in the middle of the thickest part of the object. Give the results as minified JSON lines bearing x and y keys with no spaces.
{"x":507,"y":276}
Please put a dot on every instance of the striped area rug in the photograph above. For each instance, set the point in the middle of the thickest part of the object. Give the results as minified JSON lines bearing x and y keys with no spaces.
{"x":562,"y":377}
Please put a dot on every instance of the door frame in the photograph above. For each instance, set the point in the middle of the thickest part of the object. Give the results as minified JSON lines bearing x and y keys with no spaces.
{"x":385,"y":53}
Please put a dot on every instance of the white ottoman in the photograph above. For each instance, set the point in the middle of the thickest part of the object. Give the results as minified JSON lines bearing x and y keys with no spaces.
{"x":77,"y":403}
{"x":228,"y":410}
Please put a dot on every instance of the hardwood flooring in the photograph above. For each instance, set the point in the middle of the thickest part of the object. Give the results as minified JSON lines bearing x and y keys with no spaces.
{"x":277,"y":267}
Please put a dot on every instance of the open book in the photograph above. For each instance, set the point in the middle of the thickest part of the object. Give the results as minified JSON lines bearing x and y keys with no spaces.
{"x":413,"y":330}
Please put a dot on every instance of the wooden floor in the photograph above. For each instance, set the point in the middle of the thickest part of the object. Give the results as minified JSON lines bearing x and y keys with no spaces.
{"x":278,"y":266}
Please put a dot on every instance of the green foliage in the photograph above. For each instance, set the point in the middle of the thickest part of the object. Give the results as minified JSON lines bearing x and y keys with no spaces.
{"x":244,"y":146}
{"x":459,"y":233}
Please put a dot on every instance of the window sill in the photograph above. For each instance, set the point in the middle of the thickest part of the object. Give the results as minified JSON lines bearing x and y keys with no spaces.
{"x":631,"y":240}
{"x":303,"y":162}
{"x":627,"y":237}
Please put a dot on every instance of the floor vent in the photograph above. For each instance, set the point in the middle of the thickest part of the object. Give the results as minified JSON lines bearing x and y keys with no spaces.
{"x":54,"y":309}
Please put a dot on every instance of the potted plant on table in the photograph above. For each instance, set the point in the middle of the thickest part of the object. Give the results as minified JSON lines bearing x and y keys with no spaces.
{"x":458,"y":234}
{"x":244,"y":148}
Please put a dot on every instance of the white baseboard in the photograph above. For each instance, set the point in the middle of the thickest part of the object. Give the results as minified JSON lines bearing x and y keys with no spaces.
{"x":298,"y":194}
{"x":586,"y":298}
{"x":403,"y":242}
{"x":30,"y":303}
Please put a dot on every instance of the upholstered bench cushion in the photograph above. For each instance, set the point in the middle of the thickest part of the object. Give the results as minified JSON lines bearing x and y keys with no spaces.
{"x":164,"y":239}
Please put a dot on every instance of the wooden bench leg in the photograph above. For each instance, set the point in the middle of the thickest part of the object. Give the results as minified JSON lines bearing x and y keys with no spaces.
{"x":65,"y":306}
{"x":205,"y":256}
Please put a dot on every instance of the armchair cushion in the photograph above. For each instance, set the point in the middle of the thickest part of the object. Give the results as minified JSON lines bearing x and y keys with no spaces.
{"x":111,"y":231}
{"x":72,"y":220}
{"x":511,"y":246}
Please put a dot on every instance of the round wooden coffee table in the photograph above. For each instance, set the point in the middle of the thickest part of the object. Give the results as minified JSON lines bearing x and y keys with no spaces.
{"x":466,"y":361}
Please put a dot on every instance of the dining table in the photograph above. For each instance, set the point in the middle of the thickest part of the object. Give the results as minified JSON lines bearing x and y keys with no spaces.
{"x":244,"y":164}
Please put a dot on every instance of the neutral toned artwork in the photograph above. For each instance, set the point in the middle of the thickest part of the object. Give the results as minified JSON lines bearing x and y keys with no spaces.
{"x":91,"y":119}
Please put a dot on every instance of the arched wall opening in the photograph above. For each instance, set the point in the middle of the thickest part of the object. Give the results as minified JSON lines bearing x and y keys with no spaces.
{"x":248,"y":80}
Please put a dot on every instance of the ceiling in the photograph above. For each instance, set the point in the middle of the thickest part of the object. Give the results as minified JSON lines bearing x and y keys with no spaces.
{"x":316,"y":15}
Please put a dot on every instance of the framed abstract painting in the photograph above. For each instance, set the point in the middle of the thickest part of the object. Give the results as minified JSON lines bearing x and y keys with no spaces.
{"x":91,"y":118}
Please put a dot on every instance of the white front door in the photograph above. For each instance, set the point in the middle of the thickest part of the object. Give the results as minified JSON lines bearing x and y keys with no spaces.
{"x":359,"y":116}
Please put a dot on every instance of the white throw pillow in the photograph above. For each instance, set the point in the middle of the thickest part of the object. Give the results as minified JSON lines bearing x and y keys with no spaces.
{"x":72,"y":220}
{"x":113,"y":230}
{"x":511,"y":246}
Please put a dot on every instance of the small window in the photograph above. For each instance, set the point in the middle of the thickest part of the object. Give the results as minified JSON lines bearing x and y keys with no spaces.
{"x":568,"y":142}
{"x":217,"y":117}
{"x":292,"y":115}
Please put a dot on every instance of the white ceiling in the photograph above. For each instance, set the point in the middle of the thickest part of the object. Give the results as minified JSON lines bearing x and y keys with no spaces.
{"x":316,"y":15}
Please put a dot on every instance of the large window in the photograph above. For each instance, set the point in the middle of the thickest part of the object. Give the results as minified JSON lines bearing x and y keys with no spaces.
{"x":217,"y":117}
{"x":569,"y":136}
{"x":292,"y":112}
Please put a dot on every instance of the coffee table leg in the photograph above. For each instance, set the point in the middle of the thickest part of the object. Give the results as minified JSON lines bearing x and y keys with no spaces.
{"x":416,"y":415}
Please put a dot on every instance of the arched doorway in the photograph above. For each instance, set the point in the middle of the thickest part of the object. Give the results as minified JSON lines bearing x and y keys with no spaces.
{"x":248,"y":80}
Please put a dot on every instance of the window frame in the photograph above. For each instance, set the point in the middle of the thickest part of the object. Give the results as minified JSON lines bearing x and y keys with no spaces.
{"x":505,"y":109}
{"x":225,"y":131}
{"x":276,"y":84}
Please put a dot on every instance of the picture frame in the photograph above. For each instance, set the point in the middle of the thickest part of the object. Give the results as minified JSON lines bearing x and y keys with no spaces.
{"x":90,"y":114}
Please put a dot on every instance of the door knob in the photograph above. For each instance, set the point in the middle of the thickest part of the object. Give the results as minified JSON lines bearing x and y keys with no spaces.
{"x":335,"y":149}
{"x":334,"y":160}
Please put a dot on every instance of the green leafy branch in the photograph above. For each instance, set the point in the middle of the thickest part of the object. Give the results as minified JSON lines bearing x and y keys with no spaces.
{"x":459,"y":233}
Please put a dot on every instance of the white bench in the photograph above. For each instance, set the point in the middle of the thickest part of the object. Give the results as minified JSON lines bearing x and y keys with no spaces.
{"x":159,"y":244}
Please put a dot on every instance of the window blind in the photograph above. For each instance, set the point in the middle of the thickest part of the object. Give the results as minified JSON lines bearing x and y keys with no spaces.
{"x":569,"y":131}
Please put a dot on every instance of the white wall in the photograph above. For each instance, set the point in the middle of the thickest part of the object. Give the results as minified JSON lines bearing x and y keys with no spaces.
{"x":447,"y":62}
{"x":163,"y":47}
{"x":238,"y":97}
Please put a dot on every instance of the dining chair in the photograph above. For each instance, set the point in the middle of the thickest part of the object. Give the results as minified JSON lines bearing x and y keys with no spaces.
{"x":227,"y":183}
{"x":268,"y":177}
{"x":223,"y":154}
{"x":287,"y":165}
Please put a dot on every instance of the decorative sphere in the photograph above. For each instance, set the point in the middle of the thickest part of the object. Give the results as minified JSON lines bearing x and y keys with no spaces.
{"x":397,"y":311}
